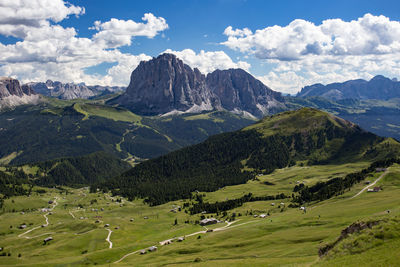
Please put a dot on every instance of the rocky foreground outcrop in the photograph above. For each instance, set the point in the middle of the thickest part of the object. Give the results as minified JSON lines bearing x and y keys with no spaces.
{"x":166,"y":85}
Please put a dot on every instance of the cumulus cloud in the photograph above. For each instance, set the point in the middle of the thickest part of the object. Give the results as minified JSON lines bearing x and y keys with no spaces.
{"x":303,"y":53}
{"x":208,"y":61}
{"x":50,"y":51}
{"x":366,"y":35}
{"x":115,"y":33}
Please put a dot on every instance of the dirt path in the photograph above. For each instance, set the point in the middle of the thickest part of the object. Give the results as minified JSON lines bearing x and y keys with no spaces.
{"x":108,"y":238}
{"x":370,"y":185}
{"x":192,"y":234}
{"x":73,"y":216}
{"x":44,"y":225}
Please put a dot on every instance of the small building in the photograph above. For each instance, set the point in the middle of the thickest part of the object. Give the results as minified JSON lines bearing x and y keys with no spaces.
{"x":165,"y":242}
{"x":81,"y":218}
{"x":282,"y":204}
{"x":302,"y":208}
{"x":152,"y":248}
{"x":131,"y":220}
{"x":44,"y":225}
{"x":272,"y":204}
{"x":143,"y":252}
{"x":367,"y":182}
{"x":173,"y":210}
{"x":116,"y":228}
{"x":180,"y":239}
{"x":22,"y":226}
{"x":97,"y":221}
{"x":107,"y":225}
{"x":255,"y":215}
{"x":209,"y":230}
{"x":263,"y":215}
{"x":375,"y":189}
{"x":50,"y":202}
{"x":145,"y":217}
{"x":208,"y":221}
{"x":47,"y":239}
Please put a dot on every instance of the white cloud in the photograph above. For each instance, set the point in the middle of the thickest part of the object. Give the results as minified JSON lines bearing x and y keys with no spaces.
{"x":50,"y":51}
{"x":303,"y":53}
{"x":115,"y":33}
{"x":367,"y":35}
{"x":208,"y":61}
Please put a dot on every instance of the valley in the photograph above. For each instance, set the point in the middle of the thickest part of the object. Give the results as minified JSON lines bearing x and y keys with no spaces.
{"x":287,"y":235}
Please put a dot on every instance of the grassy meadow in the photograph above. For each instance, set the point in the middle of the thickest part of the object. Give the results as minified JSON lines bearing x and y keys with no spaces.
{"x":288,"y":237}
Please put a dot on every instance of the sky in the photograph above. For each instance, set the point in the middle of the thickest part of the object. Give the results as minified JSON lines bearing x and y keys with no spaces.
{"x":286,"y":44}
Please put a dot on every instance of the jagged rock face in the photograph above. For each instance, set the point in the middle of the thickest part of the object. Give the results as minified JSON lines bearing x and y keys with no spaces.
{"x":71,"y":90}
{"x":13,"y":94}
{"x":378,"y":87}
{"x":238,"y":90}
{"x":165,"y":84}
{"x":11,"y":87}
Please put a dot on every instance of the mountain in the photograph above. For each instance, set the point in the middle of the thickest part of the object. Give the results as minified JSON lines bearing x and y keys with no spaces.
{"x":240,"y":91}
{"x":378,"y":87}
{"x":166,"y":85}
{"x":294,"y":137}
{"x":13,"y":94}
{"x":71,"y":90}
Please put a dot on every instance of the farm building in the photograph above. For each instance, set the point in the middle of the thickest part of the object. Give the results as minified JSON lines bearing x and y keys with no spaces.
{"x":152,"y":248}
{"x":208,"y":221}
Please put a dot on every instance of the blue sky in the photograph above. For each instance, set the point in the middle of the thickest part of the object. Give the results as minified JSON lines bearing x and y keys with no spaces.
{"x":283,"y":61}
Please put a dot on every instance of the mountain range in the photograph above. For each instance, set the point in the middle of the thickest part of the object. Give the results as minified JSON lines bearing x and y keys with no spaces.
{"x":165,"y":85}
{"x":71,"y":90}
{"x":379,"y":87}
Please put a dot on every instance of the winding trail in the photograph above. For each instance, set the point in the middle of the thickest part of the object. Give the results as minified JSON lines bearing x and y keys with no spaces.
{"x":37,"y":227}
{"x":192,"y":234}
{"x":108,"y":238}
{"x":368,"y":186}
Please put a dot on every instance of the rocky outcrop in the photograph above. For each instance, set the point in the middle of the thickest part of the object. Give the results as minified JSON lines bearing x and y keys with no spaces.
{"x":165,"y":85}
{"x":378,"y":87}
{"x":240,"y":91}
{"x":13,"y":94}
{"x":71,"y":90}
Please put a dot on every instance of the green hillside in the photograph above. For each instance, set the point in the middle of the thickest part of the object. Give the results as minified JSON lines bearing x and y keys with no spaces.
{"x":59,"y":128}
{"x":306,"y":136}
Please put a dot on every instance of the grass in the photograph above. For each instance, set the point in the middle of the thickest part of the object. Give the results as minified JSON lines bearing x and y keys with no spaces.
{"x":113,"y":113}
{"x":7,"y":159}
{"x":288,"y":237}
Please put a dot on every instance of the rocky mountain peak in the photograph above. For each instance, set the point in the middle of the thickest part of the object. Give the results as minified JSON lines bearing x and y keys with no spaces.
{"x":165,"y":84}
{"x":12,"y":93}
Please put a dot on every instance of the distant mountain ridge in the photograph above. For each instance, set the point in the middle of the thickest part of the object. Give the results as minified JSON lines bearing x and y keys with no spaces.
{"x":13,"y":94}
{"x":166,"y":85}
{"x":71,"y":90}
{"x":378,"y":87}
